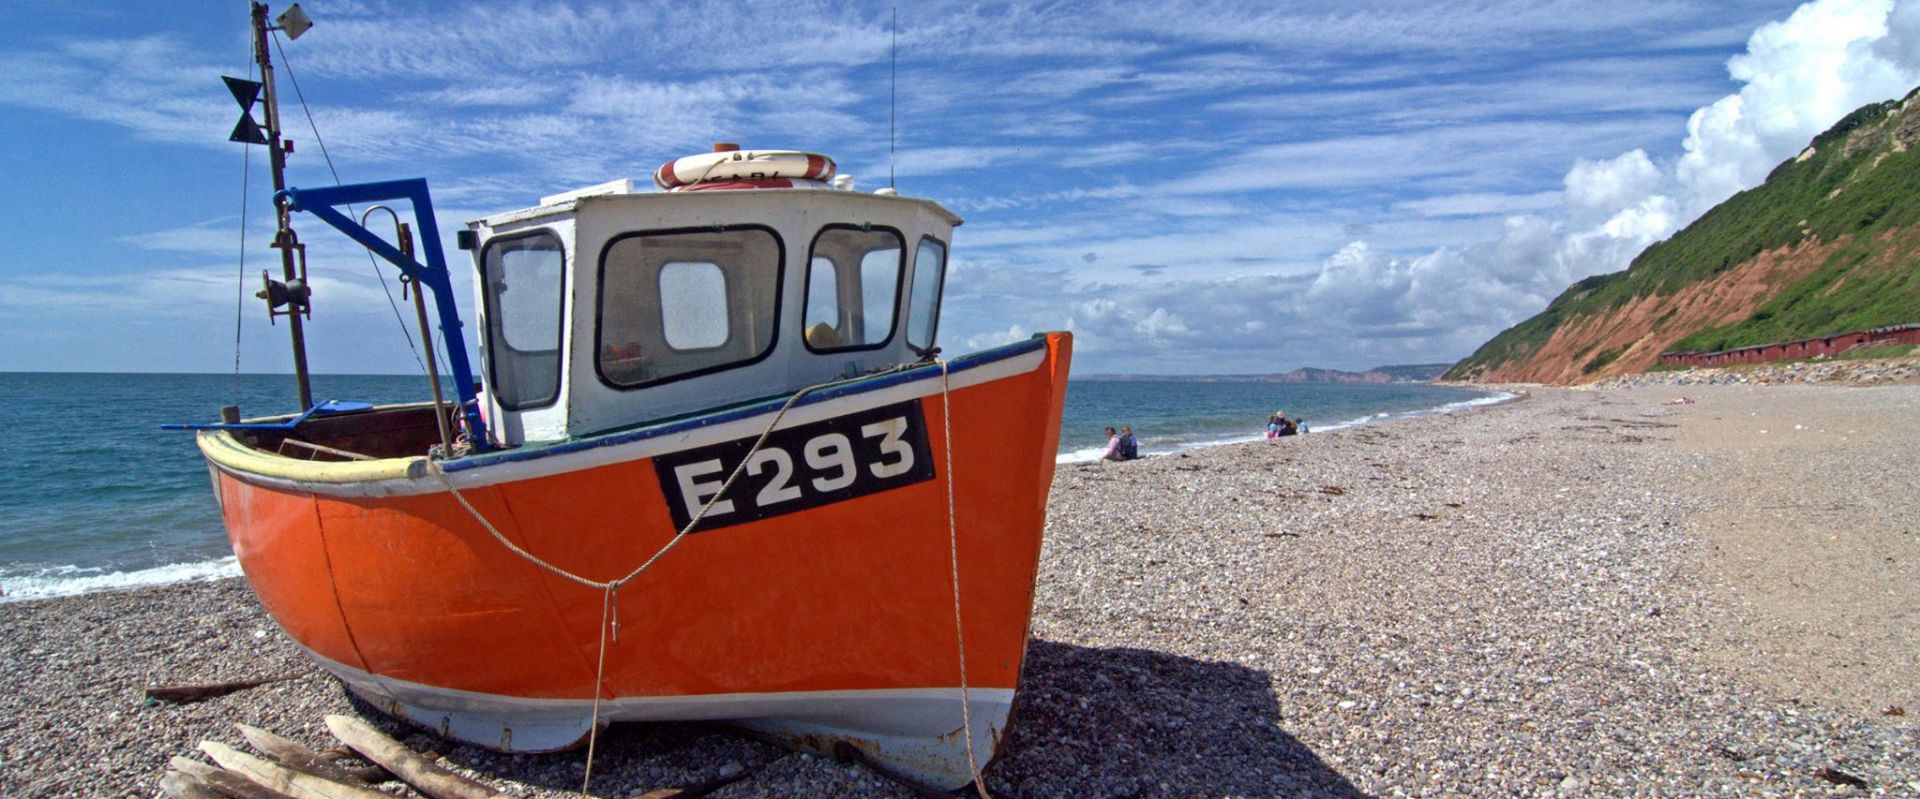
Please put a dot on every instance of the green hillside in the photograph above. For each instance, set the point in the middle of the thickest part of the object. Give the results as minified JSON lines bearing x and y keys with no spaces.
{"x":1858,"y":184}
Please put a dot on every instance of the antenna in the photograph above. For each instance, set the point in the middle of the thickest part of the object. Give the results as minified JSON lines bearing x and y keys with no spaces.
{"x":893,"y":97}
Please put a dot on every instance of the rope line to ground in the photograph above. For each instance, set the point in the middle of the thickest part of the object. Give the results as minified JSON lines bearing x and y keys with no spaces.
{"x":609,"y":606}
{"x":609,"y":602}
{"x":953,"y":560}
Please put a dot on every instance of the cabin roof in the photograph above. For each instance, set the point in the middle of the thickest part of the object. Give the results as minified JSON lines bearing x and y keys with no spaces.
{"x":570,"y":202}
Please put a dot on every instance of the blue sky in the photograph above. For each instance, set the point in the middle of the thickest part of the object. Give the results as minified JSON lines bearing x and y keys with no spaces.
{"x":1192,"y":187}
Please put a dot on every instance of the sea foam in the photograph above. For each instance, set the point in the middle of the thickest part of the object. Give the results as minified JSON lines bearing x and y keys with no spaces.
{"x":1091,"y":454}
{"x":71,"y":580}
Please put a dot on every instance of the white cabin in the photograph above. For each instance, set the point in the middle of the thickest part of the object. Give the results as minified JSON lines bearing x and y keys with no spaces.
{"x":605,"y":310}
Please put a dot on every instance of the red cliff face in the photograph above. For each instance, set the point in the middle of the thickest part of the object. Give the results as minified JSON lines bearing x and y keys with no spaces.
{"x":1639,"y":331}
{"x":1830,"y":243}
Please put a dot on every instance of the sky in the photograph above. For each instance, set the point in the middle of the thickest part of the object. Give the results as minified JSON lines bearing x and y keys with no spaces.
{"x":1189,"y":186}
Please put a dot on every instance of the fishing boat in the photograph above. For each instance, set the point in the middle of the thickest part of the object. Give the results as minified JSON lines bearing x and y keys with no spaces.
{"x":713,"y":466}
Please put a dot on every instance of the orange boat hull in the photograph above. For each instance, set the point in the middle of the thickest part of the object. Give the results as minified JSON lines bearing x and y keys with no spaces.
{"x":835,"y":623}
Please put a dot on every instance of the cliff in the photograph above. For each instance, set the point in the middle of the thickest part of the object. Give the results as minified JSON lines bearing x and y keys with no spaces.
{"x":1829,"y":243}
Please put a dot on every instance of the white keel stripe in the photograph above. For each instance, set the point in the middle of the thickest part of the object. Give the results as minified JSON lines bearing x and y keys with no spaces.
{"x":910,"y":731}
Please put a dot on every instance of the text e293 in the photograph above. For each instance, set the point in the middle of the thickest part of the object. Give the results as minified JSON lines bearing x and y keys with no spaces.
{"x":798,"y":468}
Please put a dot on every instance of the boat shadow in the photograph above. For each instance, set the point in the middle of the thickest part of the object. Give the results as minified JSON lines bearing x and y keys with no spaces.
{"x":1088,"y":722}
{"x":1122,"y":722}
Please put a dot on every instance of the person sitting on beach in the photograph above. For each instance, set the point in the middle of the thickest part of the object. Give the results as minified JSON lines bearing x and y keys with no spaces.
{"x":1113,"y":446}
{"x":1129,"y":446}
{"x":1279,"y":425}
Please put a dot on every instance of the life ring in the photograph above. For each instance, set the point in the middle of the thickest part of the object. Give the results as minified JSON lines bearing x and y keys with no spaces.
{"x":768,"y":183}
{"x":743,"y":165}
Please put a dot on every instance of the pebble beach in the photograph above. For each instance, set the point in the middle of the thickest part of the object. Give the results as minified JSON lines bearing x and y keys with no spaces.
{"x":1578,"y":593}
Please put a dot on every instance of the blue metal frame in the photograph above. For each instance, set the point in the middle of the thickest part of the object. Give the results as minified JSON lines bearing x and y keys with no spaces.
{"x":321,"y":202}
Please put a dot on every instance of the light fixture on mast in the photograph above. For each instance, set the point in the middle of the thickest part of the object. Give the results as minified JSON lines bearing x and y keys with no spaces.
{"x":291,"y":291}
{"x":293,"y":21}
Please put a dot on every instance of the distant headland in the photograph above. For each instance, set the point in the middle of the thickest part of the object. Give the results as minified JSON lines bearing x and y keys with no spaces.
{"x":1405,"y":373}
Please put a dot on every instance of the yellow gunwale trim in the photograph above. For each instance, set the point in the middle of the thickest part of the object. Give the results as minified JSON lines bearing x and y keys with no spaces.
{"x":226,"y":452}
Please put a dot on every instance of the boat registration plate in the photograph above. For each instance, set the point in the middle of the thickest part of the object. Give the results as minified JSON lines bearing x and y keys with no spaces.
{"x":800,"y":467}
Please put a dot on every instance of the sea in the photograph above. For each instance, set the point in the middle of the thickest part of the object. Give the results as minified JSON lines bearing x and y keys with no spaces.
{"x":97,"y":497}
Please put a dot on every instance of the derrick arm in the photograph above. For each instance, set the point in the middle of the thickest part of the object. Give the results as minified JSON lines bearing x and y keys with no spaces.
{"x":434,"y":275}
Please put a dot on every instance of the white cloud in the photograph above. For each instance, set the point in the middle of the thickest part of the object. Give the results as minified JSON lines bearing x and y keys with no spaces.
{"x":1008,"y":336}
{"x":1351,"y":182}
{"x":1478,"y":204}
{"x":217,"y":237}
{"x":152,"y":85}
{"x":1600,"y":189}
{"x":170,"y":292}
{"x":1800,"y":75}
{"x":513,"y":94}
{"x":923,"y":161}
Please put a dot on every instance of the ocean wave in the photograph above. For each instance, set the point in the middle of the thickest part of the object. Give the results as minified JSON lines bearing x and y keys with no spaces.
{"x":1091,"y":454}
{"x":71,"y":580}
{"x":1086,"y":455}
{"x":1492,"y":399}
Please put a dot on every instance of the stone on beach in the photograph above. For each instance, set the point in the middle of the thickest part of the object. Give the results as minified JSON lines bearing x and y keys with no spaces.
{"x":1558,"y":596}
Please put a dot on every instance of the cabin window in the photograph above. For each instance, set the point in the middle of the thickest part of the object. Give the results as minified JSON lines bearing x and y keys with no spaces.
{"x":853,"y":286}
{"x":525,"y":287}
{"x":679,"y":303}
{"x":929,"y":280}
{"x":693,"y":306}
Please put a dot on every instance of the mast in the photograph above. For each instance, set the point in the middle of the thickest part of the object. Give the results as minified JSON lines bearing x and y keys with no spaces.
{"x":295,"y":288}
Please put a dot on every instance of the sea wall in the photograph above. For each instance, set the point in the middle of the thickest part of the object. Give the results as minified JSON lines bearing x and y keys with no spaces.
{"x":1861,"y":372}
{"x":1804,"y":348}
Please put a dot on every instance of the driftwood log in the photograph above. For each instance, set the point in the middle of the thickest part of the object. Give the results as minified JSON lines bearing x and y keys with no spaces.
{"x":184,"y":786}
{"x":695,"y":790}
{"x":412,"y":768}
{"x":222,"y":782}
{"x":186,"y":694}
{"x":297,"y":784}
{"x":299,"y":758}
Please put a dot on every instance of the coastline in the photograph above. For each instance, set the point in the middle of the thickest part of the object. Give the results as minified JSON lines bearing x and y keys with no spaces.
{"x":73,"y":580}
{"x":1544,"y":597}
{"x":1092,"y":454}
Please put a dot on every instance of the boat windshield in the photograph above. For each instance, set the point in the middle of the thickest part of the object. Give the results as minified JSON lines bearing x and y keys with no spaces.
{"x":853,"y":284}
{"x":929,"y":276}
{"x":680,"y":303}
{"x":525,"y":281}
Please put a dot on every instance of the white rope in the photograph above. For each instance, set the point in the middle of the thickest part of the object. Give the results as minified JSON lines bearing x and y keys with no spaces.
{"x":609,"y":603}
{"x":609,"y":608}
{"x":615,"y":585}
{"x":599,"y":687}
{"x":953,"y":560}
